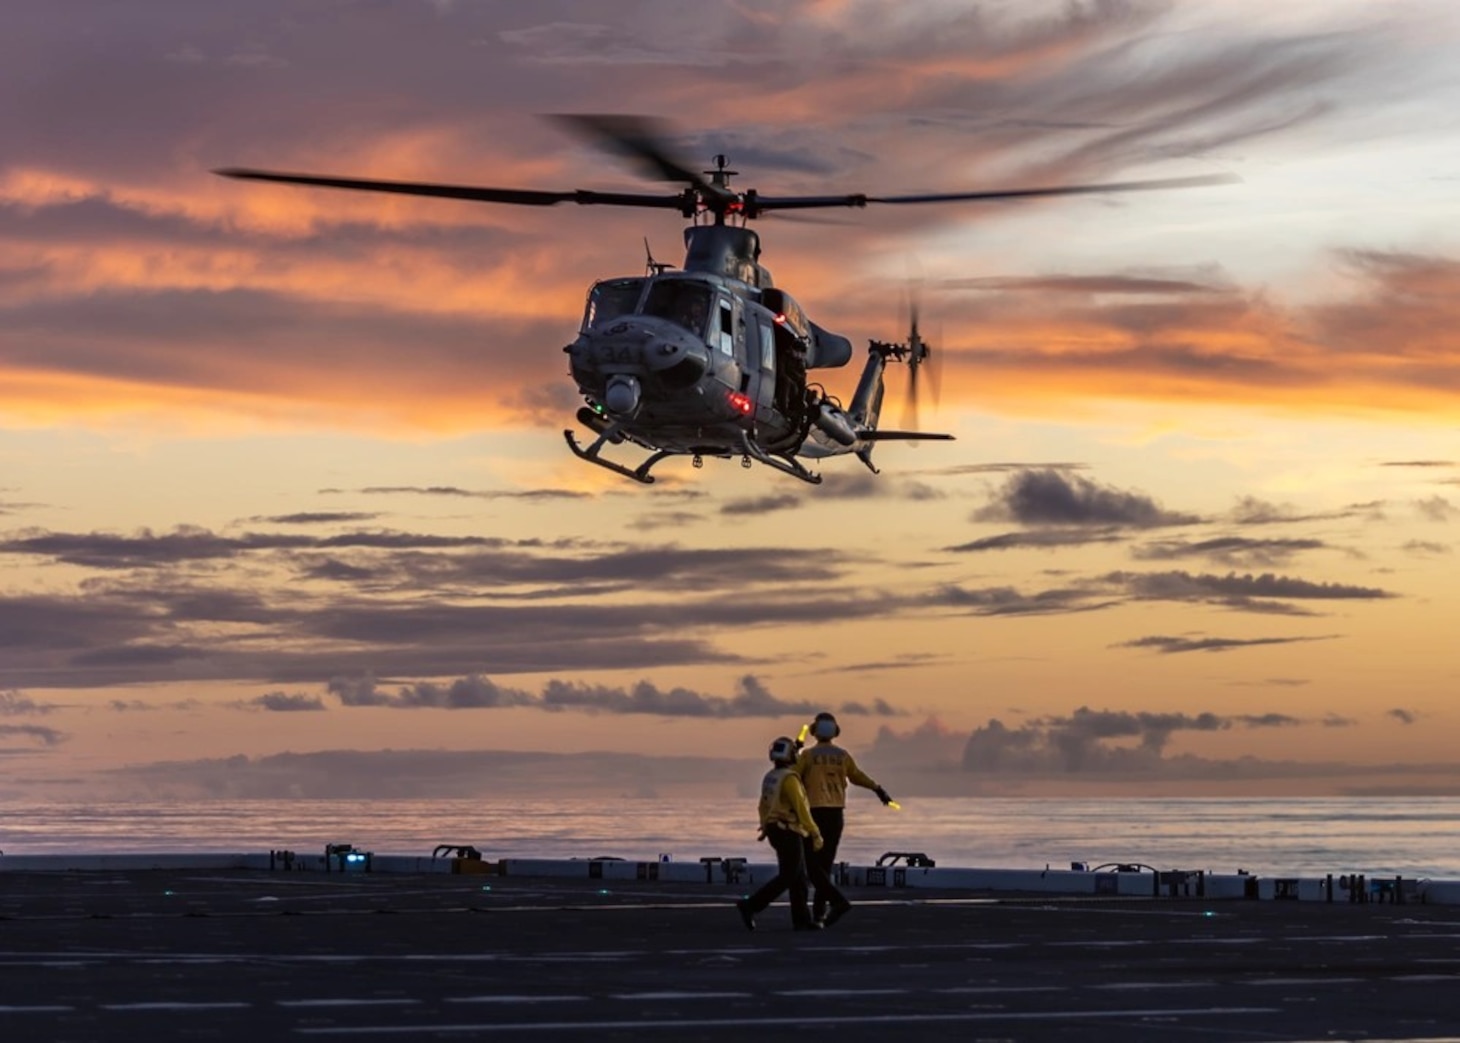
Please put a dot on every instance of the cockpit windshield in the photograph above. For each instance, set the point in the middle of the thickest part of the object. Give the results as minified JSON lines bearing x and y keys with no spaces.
{"x":683,"y":301}
{"x":610,"y":299}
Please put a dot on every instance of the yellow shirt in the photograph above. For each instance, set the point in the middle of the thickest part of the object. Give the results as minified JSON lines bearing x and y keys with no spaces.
{"x":825,"y":769}
{"x":783,"y":803}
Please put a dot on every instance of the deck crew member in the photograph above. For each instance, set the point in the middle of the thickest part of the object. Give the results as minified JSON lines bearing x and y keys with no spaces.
{"x":825,"y":769}
{"x":785,"y":821}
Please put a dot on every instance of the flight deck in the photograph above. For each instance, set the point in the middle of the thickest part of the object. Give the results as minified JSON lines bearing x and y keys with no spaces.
{"x":225,"y":954}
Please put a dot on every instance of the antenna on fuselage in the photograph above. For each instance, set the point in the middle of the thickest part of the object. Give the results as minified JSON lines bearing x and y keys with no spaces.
{"x":652,"y":266}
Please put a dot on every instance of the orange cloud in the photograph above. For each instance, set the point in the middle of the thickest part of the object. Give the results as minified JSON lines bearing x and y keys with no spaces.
{"x":176,"y":289}
{"x":435,"y":328}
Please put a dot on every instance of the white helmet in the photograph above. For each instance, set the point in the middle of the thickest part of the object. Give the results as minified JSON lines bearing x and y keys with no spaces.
{"x":783,"y":751}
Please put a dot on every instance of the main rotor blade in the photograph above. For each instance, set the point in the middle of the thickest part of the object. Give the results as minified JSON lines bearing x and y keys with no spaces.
{"x":518,"y":196}
{"x":861,"y":199}
{"x":638,"y":138}
{"x":1199,"y":181}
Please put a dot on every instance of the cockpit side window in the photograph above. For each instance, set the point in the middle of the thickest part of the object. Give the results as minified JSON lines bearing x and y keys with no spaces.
{"x":682,"y":301}
{"x":727,"y":328}
{"x":610,"y":299}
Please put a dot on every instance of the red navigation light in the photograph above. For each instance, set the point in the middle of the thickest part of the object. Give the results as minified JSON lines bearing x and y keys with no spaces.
{"x":780,"y":320}
{"x":740,"y":403}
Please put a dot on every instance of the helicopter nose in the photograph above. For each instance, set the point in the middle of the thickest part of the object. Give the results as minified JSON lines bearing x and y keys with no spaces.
{"x":620,"y":347}
{"x":678,"y":361}
{"x":621,"y":395}
{"x":616,"y":364}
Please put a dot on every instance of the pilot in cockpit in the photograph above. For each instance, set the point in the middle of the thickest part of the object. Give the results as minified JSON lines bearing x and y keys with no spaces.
{"x":690,"y":312}
{"x":682,"y":302}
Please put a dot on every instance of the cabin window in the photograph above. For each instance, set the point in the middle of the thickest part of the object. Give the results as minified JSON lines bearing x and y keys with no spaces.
{"x":680,"y":301}
{"x":727,"y":328}
{"x":610,"y":299}
{"x":767,"y":348}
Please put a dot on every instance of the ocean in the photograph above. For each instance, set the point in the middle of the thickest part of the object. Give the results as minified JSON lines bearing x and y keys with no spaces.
{"x":1408,"y":836}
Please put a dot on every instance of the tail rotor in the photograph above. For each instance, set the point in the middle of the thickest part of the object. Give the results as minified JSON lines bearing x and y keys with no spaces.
{"x":919,"y":357}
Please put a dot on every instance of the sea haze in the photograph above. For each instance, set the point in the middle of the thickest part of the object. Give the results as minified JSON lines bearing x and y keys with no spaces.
{"x":1373,"y":835}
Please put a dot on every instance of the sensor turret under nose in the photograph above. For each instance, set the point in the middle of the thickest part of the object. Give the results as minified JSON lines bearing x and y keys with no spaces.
{"x":621,"y":394}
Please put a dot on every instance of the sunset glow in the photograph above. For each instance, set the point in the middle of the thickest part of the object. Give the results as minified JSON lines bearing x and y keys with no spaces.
{"x":282,"y":469}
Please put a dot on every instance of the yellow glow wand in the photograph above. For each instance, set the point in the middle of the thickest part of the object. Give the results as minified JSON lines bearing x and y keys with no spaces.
{"x":894,"y":805}
{"x":805,"y":731}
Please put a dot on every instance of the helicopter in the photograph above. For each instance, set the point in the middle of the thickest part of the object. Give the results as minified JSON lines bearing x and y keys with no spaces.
{"x":712,"y":359}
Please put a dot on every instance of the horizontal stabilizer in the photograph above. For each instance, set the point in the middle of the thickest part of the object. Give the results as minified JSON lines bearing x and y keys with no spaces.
{"x":903,"y":436}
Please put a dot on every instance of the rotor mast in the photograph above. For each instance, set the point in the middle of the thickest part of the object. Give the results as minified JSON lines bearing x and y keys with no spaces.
{"x":727,"y":200}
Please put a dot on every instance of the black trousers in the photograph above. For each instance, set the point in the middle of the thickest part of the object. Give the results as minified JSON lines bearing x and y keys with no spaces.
{"x":830,"y":821}
{"x":790,"y":875}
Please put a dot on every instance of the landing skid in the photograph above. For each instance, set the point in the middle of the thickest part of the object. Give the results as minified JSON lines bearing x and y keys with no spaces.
{"x":749,"y":451}
{"x":638,"y":474}
{"x":785,"y":464}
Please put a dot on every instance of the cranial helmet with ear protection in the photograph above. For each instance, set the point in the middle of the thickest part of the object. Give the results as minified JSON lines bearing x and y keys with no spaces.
{"x":783,"y":751}
{"x":825,"y":726}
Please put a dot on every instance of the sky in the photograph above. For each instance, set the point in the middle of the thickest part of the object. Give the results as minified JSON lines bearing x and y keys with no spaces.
{"x":285,"y":508}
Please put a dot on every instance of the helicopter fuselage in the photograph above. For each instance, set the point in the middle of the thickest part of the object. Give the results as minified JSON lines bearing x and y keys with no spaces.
{"x":709,"y":360}
{"x":690,"y":369}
